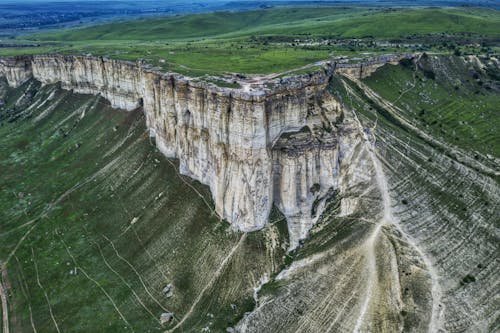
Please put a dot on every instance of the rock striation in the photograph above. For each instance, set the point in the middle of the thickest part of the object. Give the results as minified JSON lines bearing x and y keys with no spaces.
{"x":253,"y":148}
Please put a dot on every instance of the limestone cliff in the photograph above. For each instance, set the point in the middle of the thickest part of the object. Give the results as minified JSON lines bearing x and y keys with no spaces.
{"x":16,"y":70}
{"x":253,"y":148}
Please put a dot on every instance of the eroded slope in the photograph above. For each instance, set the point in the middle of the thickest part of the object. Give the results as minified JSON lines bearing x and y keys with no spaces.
{"x":95,"y":222}
{"x":412,"y":244}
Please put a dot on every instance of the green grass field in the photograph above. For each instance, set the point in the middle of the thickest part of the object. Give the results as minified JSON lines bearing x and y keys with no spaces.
{"x":263,"y":41}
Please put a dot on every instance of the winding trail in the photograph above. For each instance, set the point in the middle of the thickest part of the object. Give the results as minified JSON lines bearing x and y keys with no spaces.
{"x":387,"y":219}
{"x":139,"y":300}
{"x":44,"y":291}
{"x":413,"y":84}
{"x":136,"y":273}
{"x":96,"y":283}
{"x":390,"y":219}
{"x":3,"y":297}
{"x":395,"y":112}
{"x":216,"y":275}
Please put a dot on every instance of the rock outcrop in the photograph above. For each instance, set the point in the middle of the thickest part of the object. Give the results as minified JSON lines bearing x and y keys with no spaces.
{"x":16,"y":70}
{"x":252,"y":148}
{"x":368,"y":66}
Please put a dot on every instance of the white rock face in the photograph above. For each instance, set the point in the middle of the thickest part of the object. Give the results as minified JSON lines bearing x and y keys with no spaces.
{"x":370,"y":65}
{"x":303,"y":180}
{"x":248,"y":147}
{"x":16,"y":70}
{"x":114,"y":80}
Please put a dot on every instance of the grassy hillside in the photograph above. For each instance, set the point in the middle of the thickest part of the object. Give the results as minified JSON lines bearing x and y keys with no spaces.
{"x":272,"y":40}
{"x":198,"y":25}
{"x":94,"y":223}
{"x":344,"y":22}
{"x":451,"y":99}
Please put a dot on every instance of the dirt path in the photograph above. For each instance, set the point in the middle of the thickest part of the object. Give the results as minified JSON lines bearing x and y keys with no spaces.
{"x":390,"y":219}
{"x":216,"y":275}
{"x":258,"y":79}
{"x":34,"y":222}
{"x":124,"y":281}
{"x":370,"y":244}
{"x":97,"y":284}
{"x":395,"y":112}
{"x":414,"y":83}
{"x":146,"y":289}
{"x":3,"y":296}
{"x":44,"y":292}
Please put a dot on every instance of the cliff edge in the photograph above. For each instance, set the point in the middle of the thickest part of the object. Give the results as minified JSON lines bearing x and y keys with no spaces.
{"x":283,"y":145}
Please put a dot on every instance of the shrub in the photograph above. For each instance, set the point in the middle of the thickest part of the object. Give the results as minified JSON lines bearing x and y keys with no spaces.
{"x":467,"y":279}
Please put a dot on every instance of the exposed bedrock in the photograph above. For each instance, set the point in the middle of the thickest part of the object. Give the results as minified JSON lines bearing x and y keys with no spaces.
{"x":16,"y":70}
{"x":250,"y":147}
